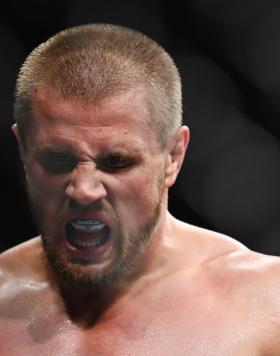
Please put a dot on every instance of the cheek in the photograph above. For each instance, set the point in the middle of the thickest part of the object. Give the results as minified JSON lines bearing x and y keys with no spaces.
{"x":137,"y":195}
{"x":44,"y":188}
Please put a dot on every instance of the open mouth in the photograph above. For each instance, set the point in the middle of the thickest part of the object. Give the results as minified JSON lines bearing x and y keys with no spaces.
{"x":86,"y":233}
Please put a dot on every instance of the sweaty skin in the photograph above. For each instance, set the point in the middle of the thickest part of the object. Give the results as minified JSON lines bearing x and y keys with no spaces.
{"x":210,"y":296}
{"x":195,"y":292}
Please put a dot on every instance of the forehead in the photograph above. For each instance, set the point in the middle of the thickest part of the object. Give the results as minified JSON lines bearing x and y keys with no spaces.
{"x":130,"y":106}
{"x":123,"y":117}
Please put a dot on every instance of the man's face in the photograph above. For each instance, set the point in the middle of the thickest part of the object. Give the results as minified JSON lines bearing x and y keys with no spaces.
{"x":95,"y":178}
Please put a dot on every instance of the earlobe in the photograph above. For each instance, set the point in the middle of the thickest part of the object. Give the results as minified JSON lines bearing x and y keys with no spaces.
{"x":176,"y":155}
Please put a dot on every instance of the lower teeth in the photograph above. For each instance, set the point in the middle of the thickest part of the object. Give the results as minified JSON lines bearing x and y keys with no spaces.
{"x":82,"y":244}
{"x":98,"y":239}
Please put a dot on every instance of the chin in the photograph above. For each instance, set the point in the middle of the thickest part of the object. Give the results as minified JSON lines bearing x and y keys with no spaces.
{"x":83,"y":273}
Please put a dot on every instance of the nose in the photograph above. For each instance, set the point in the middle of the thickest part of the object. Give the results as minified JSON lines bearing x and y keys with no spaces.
{"x":85,"y":187}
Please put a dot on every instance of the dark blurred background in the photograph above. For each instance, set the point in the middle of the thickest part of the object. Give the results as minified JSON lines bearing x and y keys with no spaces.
{"x":228,"y":53}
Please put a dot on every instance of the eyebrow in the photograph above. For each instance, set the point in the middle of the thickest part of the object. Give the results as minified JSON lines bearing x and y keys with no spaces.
{"x":47,"y":148}
{"x":65,"y":148}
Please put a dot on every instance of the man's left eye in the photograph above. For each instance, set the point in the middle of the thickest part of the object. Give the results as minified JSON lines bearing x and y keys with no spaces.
{"x":116,"y":161}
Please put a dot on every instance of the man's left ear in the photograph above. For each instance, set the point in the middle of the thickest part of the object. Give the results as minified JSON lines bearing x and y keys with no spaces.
{"x":176,"y":155}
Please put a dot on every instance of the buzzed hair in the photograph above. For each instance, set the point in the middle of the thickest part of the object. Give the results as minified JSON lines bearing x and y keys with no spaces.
{"x":91,"y":62}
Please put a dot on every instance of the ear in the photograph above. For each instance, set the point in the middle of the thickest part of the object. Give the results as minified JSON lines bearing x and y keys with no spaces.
{"x":21,"y":144}
{"x":176,"y":155}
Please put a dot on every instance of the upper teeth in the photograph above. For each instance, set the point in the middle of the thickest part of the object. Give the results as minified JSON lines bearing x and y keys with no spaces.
{"x":87,"y":225}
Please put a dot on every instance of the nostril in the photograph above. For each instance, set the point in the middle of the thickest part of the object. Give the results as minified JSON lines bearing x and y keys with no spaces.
{"x":85,"y":193}
{"x":76,"y":206}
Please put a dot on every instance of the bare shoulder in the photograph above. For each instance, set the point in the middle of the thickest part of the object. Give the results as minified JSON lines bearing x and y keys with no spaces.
{"x":22,"y":261}
{"x":30,"y":308}
{"x":254,"y":283}
{"x":202,"y":245}
{"x":245,"y":268}
{"x":24,"y":283}
{"x":249,"y":283}
{"x":252,"y":271}
{"x":244,"y":284}
{"x":22,"y":274}
{"x":226,"y":261}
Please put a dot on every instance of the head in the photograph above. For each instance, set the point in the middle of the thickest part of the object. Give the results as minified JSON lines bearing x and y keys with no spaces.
{"x":98,"y":121}
{"x":92,"y":62}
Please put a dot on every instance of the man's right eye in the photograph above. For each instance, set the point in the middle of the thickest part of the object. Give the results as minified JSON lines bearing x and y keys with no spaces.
{"x":57,"y":163}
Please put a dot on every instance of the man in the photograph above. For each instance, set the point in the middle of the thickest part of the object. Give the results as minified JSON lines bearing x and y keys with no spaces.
{"x":98,"y":122}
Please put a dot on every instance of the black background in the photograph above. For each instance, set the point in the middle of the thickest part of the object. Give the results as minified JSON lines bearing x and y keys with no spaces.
{"x":228,"y":53}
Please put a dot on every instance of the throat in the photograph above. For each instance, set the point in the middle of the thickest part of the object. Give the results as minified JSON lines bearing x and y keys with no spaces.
{"x":86,"y":309}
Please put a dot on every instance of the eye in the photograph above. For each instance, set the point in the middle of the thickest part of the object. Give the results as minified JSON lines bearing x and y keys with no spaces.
{"x":57,"y":163}
{"x":116,"y":161}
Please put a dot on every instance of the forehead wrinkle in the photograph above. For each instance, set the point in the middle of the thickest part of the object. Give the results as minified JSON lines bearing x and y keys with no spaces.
{"x":115,"y":109}
{"x":62,"y":119}
{"x":66,"y":143}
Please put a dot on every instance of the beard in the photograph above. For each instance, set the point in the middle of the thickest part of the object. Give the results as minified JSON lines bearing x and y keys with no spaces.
{"x":126,"y":260}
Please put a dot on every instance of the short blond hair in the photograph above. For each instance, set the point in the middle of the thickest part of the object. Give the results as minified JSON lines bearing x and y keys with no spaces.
{"x":95,"y":61}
